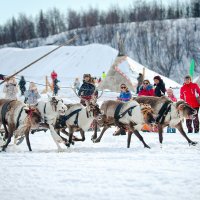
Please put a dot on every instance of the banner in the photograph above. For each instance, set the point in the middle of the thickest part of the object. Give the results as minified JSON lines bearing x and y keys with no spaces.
{"x":191,"y":70}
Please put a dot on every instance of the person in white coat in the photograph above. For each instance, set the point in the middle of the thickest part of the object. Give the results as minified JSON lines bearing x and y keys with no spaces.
{"x":10,"y":89}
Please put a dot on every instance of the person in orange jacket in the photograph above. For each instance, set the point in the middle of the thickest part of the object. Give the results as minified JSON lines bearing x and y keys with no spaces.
{"x":189,"y":92}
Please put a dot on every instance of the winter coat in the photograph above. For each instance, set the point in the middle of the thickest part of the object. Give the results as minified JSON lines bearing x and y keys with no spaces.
{"x":55,"y":86}
{"x":173,"y":98}
{"x":86,"y":89}
{"x":124,"y":96}
{"x":22,"y":86}
{"x":54,"y":75}
{"x":2,"y":77}
{"x":148,"y":91}
{"x":11,"y":91}
{"x":140,"y":79}
{"x":160,"y":89}
{"x":103,"y":75}
{"x":188,"y":93}
{"x":31,"y":96}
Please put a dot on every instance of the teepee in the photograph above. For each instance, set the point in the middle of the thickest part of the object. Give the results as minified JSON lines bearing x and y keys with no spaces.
{"x":125,"y":70}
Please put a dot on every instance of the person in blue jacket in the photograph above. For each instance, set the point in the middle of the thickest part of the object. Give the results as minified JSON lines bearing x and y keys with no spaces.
{"x":125,"y":94}
{"x":87,"y":89}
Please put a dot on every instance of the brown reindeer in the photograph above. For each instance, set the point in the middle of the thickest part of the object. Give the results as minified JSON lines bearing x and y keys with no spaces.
{"x":169,"y":113}
{"x":132,"y":118}
{"x":17,"y":120}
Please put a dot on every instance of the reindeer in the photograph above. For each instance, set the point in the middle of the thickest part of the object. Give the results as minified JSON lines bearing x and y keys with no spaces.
{"x":78,"y":118}
{"x":169,"y":113}
{"x":17,"y":120}
{"x":128,"y":115}
{"x":50,"y":111}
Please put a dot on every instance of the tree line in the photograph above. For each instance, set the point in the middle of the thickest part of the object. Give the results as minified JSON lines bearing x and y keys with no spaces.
{"x":53,"y":21}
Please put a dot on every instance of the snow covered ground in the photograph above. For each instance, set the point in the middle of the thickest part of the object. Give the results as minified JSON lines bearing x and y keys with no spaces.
{"x":107,"y":170}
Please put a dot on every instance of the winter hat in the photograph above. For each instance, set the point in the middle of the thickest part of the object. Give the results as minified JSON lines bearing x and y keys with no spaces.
{"x":188,"y":77}
{"x":157,"y":78}
{"x":87,"y":75}
{"x":169,"y":90}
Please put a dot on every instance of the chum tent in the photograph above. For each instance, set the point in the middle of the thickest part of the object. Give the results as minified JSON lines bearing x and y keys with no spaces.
{"x":126,"y":70}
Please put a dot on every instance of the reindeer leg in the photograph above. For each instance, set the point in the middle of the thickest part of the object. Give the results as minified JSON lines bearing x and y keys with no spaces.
{"x":160,"y":133}
{"x":56,"y":138}
{"x":7,"y":142}
{"x":82,"y":136}
{"x":63,"y":138}
{"x":129,"y":138}
{"x":101,"y":135}
{"x":71,"y":136}
{"x":28,"y":141}
{"x":94,"y":136}
{"x":180,"y":128}
{"x":6,"y":132}
{"x":137,"y":134}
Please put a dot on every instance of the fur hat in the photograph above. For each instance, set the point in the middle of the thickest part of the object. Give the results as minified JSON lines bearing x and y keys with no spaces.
{"x":87,"y":75}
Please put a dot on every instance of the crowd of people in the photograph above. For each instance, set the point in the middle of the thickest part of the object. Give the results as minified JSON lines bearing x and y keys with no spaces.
{"x":188,"y":92}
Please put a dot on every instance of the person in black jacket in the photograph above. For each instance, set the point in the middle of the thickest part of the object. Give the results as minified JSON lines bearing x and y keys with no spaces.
{"x":22,"y":85}
{"x":87,"y":89}
{"x":159,"y":86}
{"x":2,"y":77}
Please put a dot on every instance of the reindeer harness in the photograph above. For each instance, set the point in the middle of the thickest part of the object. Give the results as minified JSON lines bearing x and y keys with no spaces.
{"x":165,"y":109}
{"x":118,"y":116}
{"x":63,"y":119}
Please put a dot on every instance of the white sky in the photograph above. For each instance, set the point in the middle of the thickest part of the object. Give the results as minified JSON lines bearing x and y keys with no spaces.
{"x":9,"y":8}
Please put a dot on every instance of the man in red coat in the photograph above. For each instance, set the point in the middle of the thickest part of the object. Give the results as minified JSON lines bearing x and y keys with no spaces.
{"x":54,"y":75}
{"x":188,"y":93}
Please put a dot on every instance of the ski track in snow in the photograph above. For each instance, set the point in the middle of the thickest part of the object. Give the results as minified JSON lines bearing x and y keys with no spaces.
{"x":107,"y":170}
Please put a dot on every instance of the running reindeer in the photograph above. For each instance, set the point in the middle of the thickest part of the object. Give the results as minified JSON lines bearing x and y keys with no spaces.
{"x":127,"y":115}
{"x":17,"y":120}
{"x":169,"y":113}
{"x":50,"y":111}
{"x":79,"y":118}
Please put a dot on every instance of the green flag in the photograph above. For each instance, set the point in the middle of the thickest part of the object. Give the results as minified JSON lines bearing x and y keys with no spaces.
{"x":192,"y":65}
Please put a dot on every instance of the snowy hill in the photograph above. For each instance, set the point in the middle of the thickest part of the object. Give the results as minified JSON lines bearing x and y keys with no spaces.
{"x":69,"y":62}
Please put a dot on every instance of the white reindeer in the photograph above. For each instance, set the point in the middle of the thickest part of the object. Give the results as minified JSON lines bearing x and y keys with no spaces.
{"x":50,"y":111}
{"x":79,"y":118}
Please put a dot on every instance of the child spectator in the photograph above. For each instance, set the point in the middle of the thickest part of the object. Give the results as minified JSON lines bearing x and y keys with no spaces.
{"x":170,"y":94}
{"x":31,"y":95}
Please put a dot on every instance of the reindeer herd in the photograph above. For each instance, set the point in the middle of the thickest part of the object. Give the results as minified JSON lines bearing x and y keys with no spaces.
{"x":19,"y":119}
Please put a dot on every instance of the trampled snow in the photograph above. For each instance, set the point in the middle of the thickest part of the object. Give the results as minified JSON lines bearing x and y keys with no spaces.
{"x":107,"y":170}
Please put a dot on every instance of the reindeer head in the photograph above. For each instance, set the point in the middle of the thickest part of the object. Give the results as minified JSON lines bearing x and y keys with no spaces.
{"x":185,"y":110}
{"x":57,"y":104}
